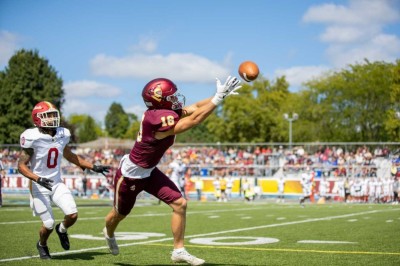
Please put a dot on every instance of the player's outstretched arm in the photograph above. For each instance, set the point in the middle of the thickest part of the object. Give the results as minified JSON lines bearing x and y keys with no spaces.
{"x":203,"y":109}
{"x":230,"y":87}
{"x":188,"y":110}
{"x":79,"y":161}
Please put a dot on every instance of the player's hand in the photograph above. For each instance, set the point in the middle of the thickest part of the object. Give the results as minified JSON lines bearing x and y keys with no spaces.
{"x":231,"y":85}
{"x":45,"y":182}
{"x":103,"y":169}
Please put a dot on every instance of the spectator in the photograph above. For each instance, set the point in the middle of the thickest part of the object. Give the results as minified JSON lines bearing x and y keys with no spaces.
{"x":281,"y":189}
{"x":2,"y":175}
{"x":199,"y":184}
{"x":229,"y":187}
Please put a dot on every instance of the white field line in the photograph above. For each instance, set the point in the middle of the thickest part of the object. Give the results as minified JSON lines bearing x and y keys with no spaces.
{"x":139,"y":215}
{"x":208,"y":234}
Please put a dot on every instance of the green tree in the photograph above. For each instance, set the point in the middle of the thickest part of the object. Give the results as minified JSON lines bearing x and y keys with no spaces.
{"x":88,"y":132}
{"x":26,"y":80}
{"x":254,"y":115}
{"x":392,"y":123}
{"x":353,"y":103}
{"x":134,"y":127}
{"x":116,"y":121}
{"x":85,"y":127}
{"x":198,"y":134}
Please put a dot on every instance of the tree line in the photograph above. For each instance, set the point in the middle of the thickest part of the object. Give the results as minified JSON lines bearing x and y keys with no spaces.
{"x":359,"y":103}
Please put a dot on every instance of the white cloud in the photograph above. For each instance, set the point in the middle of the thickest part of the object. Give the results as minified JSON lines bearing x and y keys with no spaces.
{"x":380,"y":48}
{"x":180,"y":67}
{"x":296,"y":76}
{"x":77,"y":102}
{"x":86,"y":88}
{"x":8,"y":46}
{"x":355,"y":32}
{"x":359,"y":12}
{"x":347,"y":34}
{"x":82,"y":106}
{"x":147,"y":45}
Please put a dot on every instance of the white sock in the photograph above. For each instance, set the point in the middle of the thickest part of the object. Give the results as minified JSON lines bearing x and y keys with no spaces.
{"x":62,"y":228}
{"x":179,"y":249}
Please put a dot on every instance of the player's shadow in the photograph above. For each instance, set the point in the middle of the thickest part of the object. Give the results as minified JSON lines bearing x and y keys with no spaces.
{"x":80,"y":256}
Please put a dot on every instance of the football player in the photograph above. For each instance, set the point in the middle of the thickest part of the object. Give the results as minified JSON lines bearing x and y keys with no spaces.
{"x":42,"y":150}
{"x":165,"y":117}
{"x":281,"y":188}
{"x":176,"y":171}
{"x":324,"y":187}
{"x":306,"y":184}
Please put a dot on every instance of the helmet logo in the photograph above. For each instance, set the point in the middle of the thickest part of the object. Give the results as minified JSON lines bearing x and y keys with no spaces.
{"x":157,"y":93}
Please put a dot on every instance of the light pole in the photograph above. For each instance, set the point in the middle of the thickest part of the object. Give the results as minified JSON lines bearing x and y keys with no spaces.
{"x":290,"y":119}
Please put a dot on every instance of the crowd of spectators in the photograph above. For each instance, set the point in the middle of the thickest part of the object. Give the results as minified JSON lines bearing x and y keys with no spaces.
{"x":255,"y":161}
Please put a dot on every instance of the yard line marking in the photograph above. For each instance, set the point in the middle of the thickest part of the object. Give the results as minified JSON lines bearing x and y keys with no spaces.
{"x":140,"y":215}
{"x":288,"y":250}
{"x":324,"y":242}
{"x":233,"y":231}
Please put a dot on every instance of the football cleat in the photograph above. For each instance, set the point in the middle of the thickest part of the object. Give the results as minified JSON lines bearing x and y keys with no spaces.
{"x":43,"y":251}
{"x":111,"y":242}
{"x":184,"y":256}
{"x":63,"y":238}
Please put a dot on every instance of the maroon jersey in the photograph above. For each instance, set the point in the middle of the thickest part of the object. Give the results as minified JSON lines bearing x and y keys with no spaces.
{"x":148,"y":150}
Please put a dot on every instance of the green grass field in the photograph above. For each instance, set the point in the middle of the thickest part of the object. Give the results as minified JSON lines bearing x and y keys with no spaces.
{"x":233,"y":233}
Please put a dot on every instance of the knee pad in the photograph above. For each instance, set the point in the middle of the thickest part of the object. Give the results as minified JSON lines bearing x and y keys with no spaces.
{"x":49,"y":224}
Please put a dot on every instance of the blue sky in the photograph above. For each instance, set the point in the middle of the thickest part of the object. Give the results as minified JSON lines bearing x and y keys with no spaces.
{"x":107,"y":50}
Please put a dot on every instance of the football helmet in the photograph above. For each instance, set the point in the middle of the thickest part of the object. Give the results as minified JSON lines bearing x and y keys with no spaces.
{"x":162,"y":93}
{"x":46,"y":114}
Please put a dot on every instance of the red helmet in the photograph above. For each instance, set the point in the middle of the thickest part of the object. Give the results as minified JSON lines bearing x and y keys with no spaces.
{"x":45,"y":114}
{"x":162,"y":93}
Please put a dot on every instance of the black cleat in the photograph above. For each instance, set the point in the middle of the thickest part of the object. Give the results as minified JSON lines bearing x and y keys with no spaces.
{"x":43,"y":252}
{"x":63,"y":238}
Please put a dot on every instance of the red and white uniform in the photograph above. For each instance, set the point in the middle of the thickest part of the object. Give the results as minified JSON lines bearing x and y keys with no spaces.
{"x":46,"y":162}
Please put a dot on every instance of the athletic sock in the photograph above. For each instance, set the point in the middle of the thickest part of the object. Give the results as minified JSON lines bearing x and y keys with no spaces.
{"x":179,"y":249}
{"x":62,"y":228}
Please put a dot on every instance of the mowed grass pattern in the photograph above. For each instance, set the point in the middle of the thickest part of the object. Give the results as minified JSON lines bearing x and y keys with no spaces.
{"x":223,"y":234}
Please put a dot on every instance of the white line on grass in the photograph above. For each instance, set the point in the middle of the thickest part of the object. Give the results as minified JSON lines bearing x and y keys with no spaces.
{"x":207,"y":234}
{"x":140,"y":215}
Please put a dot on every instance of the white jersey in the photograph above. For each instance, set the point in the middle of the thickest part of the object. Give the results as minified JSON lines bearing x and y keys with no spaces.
{"x":365,"y":185}
{"x":229,"y":183}
{"x":48,"y":153}
{"x":387,"y":187}
{"x":339,"y":187}
{"x":178,"y":173}
{"x":384,"y":168}
{"x":281,"y":185}
{"x":378,"y":188}
{"x":217,"y":184}
{"x":371,"y":187}
{"x":356,"y":188}
{"x":306,"y":183}
{"x":324,"y":188}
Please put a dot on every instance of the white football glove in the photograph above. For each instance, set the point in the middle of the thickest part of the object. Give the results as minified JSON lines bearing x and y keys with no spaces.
{"x":230,"y":87}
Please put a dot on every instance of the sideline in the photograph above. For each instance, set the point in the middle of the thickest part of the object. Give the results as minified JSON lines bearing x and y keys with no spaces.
{"x":151,"y":242}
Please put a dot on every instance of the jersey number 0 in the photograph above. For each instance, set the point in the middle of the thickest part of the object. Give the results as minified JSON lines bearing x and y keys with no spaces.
{"x":52,"y":158}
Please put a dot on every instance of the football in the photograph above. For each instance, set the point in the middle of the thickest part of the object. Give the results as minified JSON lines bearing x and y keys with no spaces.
{"x":248,"y":70}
